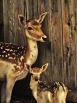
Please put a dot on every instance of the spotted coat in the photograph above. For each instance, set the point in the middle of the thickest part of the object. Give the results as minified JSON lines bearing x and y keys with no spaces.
{"x":13,"y":53}
{"x":52,"y":87}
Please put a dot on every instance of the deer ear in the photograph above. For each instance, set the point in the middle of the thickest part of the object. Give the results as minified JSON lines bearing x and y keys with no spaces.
{"x":27,"y":67}
{"x":44,"y":67}
{"x":42,"y":17}
{"x":21,"y":19}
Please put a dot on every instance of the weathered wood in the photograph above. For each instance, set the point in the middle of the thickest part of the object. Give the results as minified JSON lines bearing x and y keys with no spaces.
{"x":75,"y":8}
{"x":72,"y":97}
{"x":1,"y":21}
{"x":5,"y":18}
{"x":72,"y":44}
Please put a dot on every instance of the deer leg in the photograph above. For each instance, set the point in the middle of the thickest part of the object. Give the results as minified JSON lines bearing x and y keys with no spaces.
{"x":11,"y":79}
{"x":9,"y":88}
{"x":3,"y":93}
{"x":63,"y":101}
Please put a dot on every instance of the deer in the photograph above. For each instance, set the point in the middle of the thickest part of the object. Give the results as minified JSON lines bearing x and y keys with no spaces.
{"x":13,"y":58}
{"x":46,"y":93}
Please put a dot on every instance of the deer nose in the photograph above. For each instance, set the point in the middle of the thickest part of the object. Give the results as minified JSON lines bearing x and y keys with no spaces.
{"x":44,"y":37}
{"x":36,"y":79}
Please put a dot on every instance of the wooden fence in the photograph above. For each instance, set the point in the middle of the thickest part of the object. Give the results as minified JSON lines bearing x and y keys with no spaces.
{"x":60,"y":25}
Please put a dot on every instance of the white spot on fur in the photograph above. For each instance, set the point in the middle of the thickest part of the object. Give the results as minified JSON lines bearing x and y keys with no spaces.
{"x":2,"y":55}
{"x":8,"y":54}
{"x":5,"y":55}
{"x":21,"y":58}
{"x":11,"y":50}
{"x":1,"y":47}
{"x":4,"y":51}
{"x":10,"y":58}
{"x":7,"y":49}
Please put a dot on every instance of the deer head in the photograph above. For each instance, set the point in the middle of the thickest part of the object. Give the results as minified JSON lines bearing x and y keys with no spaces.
{"x":36,"y":72}
{"x":33,"y":27}
{"x":35,"y":77}
{"x":34,"y":81}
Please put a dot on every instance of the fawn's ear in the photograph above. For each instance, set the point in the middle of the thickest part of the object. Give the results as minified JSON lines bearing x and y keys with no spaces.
{"x":21,"y":20}
{"x":27,"y":67}
{"x":44,"y":67}
{"x":42,"y":17}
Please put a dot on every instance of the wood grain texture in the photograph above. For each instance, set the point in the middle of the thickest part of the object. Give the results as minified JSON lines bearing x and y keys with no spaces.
{"x":1,"y":21}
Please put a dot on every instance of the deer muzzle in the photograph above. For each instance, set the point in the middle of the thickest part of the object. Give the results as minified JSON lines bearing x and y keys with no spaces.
{"x":44,"y":38}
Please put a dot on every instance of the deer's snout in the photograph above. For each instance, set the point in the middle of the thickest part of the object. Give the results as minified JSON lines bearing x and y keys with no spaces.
{"x":36,"y":79}
{"x":44,"y":38}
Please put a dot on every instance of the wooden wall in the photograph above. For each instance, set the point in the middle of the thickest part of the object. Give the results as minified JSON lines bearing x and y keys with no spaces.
{"x":1,"y":21}
{"x":60,"y":25}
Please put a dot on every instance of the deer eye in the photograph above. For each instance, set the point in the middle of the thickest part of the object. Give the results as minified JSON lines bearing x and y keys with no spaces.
{"x":30,"y":28}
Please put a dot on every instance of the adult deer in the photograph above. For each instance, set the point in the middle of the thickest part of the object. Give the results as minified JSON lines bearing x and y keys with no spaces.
{"x":43,"y":93}
{"x":13,"y":58}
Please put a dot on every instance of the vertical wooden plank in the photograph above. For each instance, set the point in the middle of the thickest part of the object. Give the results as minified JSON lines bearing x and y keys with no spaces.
{"x":72,"y":45}
{"x":1,"y":21}
{"x":10,"y":18}
{"x":21,"y":35}
{"x":58,"y":43}
{"x":62,"y":39}
{"x":5,"y":18}
{"x":65,"y":41}
{"x":15,"y":24}
{"x":75,"y":9}
{"x":35,"y":10}
{"x":29,"y":9}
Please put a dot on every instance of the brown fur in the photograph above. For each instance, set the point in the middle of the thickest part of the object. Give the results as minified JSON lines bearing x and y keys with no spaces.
{"x":36,"y":70}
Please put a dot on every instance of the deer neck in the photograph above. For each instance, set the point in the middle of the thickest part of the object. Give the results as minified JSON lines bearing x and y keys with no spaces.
{"x":34,"y":87}
{"x":32,"y":51}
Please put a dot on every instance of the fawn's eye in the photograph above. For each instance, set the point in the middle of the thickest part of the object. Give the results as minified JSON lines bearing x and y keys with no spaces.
{"x":30,"y":28}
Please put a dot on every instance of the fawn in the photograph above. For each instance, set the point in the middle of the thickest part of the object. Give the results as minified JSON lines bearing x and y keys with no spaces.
{"x":43,"y":93}
{"x":13,"y":58}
